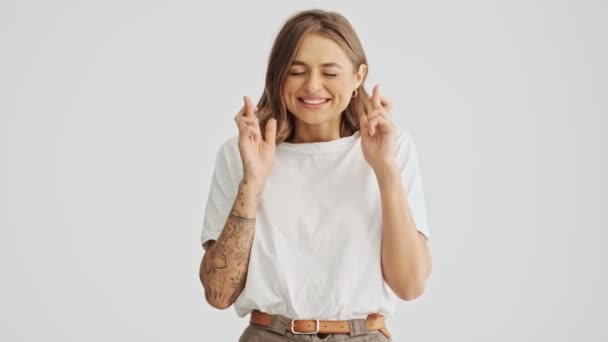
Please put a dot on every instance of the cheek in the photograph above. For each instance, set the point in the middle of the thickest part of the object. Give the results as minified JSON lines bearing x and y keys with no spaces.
{"x":290,"y":86}
{"x":342,"y":94}
{"x":339,"y":88}
{"x":287,"y":91}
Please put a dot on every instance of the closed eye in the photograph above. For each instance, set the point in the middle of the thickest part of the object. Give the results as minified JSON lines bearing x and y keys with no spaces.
{"x":301,"y":73}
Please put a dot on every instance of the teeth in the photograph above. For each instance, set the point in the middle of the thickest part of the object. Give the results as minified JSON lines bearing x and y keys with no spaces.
{"x":313,"y":101}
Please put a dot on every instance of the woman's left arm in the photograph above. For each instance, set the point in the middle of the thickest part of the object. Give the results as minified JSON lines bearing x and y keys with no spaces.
{"x":406,"y":259}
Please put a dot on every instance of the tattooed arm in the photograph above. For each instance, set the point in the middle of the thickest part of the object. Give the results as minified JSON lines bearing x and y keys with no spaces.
{"x":224,"y":266}
{"x":223,"y":270}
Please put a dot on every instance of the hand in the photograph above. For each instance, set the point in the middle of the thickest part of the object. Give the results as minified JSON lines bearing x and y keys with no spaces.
{"x":257,"y":154}
{"x":378,"y":133}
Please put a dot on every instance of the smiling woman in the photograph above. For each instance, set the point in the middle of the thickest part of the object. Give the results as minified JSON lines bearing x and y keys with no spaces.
{"x":315,"y":222}
{"x":319,"y":86}
{"x":316,"y":54}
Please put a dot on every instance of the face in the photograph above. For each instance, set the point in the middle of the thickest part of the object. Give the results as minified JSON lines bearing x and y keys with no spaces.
{"x":320,"y":82}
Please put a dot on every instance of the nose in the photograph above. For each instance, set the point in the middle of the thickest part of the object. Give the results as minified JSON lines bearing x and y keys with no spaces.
{"x":313,"y":83}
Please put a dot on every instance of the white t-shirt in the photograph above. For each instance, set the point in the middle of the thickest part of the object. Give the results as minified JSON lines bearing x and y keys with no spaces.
{"x":316,"y":248}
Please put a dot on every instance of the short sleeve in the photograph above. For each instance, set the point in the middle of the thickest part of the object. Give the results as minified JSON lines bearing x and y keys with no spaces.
{"x":222,"y":192}
{"x":407,"y":161}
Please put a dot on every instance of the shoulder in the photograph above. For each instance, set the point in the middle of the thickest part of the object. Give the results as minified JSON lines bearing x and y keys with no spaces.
{"x":231,"y":143}
{"x":228,"y":164}
{"x":403,"y":139}
{"x":405,"y":148}
{"x":229,"y":149}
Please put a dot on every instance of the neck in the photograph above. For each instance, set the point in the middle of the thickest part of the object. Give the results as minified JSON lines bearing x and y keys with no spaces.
{"x":305,"y":133}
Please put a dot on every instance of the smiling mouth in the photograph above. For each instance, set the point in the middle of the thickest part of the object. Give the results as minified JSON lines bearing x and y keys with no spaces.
{"x":313,"y":102}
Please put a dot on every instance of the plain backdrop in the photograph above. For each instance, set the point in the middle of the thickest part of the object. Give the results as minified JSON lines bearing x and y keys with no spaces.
{"x":112,"y":112}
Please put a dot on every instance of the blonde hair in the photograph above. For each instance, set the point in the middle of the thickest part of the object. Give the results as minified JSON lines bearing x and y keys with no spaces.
{"x":331,"y":25}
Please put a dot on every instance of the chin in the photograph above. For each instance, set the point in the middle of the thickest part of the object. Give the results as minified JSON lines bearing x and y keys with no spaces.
{"x":313,"y":118}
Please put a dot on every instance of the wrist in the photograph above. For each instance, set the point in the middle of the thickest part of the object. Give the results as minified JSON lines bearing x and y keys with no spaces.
{"x":255,"y":184}
{"x":387,"y":172}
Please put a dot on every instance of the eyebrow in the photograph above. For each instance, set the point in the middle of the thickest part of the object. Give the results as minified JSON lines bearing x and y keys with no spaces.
{"x":324,"y":65}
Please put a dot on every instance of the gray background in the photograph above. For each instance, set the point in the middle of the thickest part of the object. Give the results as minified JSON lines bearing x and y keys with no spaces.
{"x":111,"y":114}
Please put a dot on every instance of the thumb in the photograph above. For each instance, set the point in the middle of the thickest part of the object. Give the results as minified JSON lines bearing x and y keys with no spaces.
{"x":271,"y":132}
{"x":362,"y":123}
{"x":375,"y":97}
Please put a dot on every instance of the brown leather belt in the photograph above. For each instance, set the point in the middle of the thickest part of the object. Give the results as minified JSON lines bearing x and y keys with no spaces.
{"x":375,"y":321}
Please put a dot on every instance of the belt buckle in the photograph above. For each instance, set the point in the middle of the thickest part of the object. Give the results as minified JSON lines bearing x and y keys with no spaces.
{"x":303,"y":333}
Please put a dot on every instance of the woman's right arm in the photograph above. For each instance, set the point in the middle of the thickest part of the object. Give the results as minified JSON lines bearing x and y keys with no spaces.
{"x":223,"y":270}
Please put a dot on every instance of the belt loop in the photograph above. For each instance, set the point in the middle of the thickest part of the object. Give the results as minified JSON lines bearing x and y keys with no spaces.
{"x":279,"y":324}
{"x":357,"y":327}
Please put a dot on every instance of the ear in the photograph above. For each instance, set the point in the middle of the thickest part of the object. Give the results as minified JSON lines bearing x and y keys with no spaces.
{"x":360,"y":75}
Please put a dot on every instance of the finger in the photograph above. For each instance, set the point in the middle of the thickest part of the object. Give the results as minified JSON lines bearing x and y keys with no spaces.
{"x":362,"y":118}
{"x":376,"y":97}
{"x":363,"y":124}
{"x":378,"y":111}
{"x":245,"y":123}
{"x":373,"y":116}
{"x":383,"y":113}
{"x":386,"y":104}
{"x":248,"y":121}
{"x":372,"y":125}
{"x":382,"y":124}
{"x":271,"y":132}
{"x":249,"y":107}
{"x":373,"y":122}
{"x":248,"y":134}
{"x":240,"y":113}
{"x":252,"y":133}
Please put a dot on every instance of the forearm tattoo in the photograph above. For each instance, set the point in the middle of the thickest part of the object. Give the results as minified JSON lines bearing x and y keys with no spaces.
{"x":225,"y":266}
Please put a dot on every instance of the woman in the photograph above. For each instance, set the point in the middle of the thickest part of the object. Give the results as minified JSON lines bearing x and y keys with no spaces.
{"x":316,"y":220}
